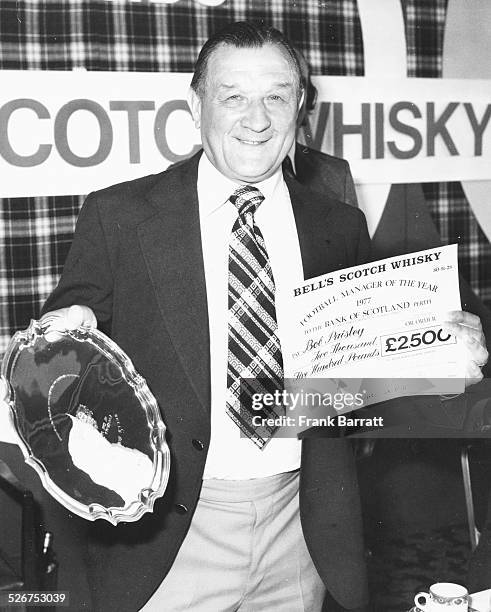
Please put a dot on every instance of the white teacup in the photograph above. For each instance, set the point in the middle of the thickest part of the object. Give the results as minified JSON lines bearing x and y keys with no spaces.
{"x":443,"y":597}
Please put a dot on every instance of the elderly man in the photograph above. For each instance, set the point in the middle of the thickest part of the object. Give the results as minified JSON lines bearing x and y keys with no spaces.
{"x":182,"y":270}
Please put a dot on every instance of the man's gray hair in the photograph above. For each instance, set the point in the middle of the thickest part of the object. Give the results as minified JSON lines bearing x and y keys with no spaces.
{"x":244,"y":34}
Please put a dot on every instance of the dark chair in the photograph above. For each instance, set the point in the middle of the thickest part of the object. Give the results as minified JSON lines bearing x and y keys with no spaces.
{"x":475,"y":459}
{"x":474,"y":533}
{"x":34,"y":566}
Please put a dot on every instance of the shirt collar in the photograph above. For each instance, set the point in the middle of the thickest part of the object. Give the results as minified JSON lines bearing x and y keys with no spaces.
{"x":291,"y":155}
{"x":214,"y":188}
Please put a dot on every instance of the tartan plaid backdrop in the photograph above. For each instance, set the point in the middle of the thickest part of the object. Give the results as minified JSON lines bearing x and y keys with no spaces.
{"x":35,"y":233}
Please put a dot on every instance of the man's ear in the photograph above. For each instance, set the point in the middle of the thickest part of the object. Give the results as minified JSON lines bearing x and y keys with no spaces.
{"x":194,"y":104}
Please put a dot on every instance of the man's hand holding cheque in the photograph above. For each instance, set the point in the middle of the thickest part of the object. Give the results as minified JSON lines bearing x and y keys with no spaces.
{"x":467,"y":327}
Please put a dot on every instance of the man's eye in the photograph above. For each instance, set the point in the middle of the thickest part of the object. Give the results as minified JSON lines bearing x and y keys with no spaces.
{"x":275,"y":98}
{"x":234,"y":98}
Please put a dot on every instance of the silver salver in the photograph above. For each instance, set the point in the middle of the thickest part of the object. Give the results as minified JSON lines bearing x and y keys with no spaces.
{"x":87,"y":423}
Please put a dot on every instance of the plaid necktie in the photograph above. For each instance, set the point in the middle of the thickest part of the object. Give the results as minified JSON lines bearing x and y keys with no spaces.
{"x":254,"y":350}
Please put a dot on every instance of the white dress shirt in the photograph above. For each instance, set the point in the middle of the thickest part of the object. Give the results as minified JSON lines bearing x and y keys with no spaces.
{"x":231,"y":456}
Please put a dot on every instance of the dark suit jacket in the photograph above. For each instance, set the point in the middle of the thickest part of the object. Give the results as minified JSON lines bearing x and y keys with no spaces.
{"x":136,"y":260}
{"x":325,"y":174}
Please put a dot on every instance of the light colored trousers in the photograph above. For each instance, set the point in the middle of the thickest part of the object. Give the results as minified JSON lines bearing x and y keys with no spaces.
{"x":244,"y":552}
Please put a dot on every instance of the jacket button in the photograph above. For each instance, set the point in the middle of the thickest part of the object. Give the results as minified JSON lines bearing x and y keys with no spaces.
{"x":180,"y":508}
{"x":198,"y":445}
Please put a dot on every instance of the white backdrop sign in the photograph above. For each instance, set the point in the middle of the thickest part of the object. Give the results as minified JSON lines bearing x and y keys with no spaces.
{"x":67,"y":133}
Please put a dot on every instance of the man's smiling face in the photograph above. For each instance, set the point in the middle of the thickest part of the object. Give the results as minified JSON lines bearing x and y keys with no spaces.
{"x":247,"y":110}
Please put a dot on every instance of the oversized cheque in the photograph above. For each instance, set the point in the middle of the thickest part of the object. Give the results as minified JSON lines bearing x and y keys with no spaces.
{"x":381,"y":320}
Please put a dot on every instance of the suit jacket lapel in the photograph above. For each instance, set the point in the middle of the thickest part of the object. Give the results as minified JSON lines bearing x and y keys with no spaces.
{"x":315,"y":176}
{"x":171,"y":244}
{"x":322,"y":244}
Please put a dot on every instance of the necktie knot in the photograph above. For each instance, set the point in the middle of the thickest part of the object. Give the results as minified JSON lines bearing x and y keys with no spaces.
{"x":247,"y":199}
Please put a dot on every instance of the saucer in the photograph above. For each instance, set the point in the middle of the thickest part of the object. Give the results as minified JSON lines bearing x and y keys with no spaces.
{"x":416,"y":609}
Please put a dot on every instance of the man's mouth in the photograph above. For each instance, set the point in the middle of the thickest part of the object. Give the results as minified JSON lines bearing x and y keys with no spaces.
{"x":253,"y":143}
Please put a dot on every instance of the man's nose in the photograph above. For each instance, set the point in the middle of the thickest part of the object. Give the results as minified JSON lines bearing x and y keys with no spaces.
{"x":256,"y":117}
